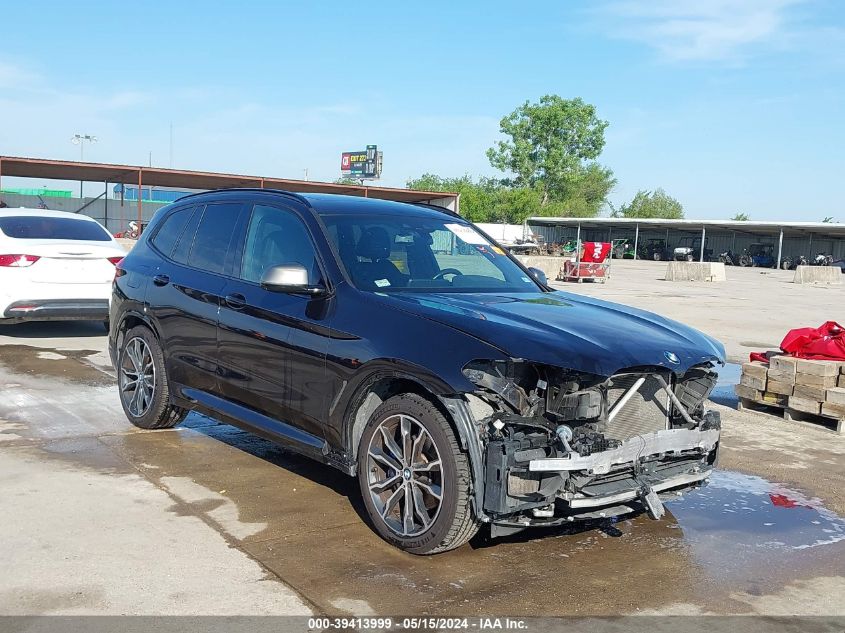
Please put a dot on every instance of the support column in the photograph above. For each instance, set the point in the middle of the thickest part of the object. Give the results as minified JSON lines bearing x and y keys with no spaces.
{"x":578,"y":250}
{"x":703,"y":239}
{"x":780,"y":249}
{"x":140,"y":197}
{"x":636,"y":239}
{"x":106,"y":207}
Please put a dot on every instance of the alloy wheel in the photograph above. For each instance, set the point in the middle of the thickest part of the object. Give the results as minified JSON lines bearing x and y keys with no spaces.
{"x":137,"y":377}
{"x":404,"y":475}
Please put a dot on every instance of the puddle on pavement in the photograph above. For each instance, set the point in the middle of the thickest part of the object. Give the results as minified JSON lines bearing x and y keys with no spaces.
{"x":723,"y":393}
{"x":739,"y":524}
{"x":71,"y":365}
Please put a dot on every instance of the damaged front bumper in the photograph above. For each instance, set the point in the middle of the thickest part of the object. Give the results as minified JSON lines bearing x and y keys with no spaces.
{"x":639,"y":447}
{"x":546,"y":456}
{"x":656,"y":448}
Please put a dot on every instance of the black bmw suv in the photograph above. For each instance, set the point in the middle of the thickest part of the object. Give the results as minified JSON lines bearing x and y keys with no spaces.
{"x":401,"y":345}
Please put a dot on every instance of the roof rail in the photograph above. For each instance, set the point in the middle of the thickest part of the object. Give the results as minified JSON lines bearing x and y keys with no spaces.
{"x":291,"y":194}
{"x":435,"y":207}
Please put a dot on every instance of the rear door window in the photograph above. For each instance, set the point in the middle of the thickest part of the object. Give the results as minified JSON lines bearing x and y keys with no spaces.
{"x":35,"y":227}
{"x":168,"y":234}
{"x":213,"y":236}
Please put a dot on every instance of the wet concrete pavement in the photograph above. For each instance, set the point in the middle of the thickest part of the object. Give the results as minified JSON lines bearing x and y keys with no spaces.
{"x":239,"y":513}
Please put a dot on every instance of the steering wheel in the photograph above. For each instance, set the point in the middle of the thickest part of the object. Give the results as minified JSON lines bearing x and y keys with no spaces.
{"x":447,"y":271}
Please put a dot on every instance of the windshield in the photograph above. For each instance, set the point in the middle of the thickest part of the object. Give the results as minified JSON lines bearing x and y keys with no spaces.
{"x":422,"y":254}
{"x":39,"y":227}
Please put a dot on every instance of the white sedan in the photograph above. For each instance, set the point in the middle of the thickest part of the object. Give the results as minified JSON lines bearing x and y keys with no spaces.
{"x":55,"y":266}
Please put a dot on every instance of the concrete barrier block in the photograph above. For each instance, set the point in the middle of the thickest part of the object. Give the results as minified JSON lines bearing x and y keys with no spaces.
{"x":807,"y":406}
{"x":755,"y":368}
{"x":817,"y":367}
{"x":809,"y":380}
{"x":783,"y":388}
{"x":836,"y":395}
{"x":695,"y":271}
{"x":547,"y":263}
{"x":818,"y":275}
{"x":784,"y":364}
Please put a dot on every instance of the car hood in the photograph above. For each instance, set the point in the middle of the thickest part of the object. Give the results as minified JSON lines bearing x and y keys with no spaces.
{"x":566,"y":330}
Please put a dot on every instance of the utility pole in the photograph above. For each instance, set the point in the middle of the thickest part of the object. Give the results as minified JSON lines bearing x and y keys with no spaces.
{"x":81,"y":139}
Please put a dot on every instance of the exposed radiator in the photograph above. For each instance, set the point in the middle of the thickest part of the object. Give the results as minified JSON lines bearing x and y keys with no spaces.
{"x":647,"y":410}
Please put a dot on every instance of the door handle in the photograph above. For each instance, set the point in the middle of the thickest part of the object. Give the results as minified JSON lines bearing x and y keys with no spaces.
{"x":161,"y":280}
{"x":236,"y":301}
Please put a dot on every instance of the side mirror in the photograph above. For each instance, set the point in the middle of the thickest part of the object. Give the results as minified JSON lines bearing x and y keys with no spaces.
{"x":289,"y":279}
{"x":539,"y":275}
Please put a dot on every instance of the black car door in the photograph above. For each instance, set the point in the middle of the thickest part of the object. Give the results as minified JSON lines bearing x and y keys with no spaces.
{"x":184,"y":296}
{"x":272,"y":346}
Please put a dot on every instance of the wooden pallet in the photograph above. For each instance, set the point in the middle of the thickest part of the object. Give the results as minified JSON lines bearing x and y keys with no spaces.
{"x":792,"y":415}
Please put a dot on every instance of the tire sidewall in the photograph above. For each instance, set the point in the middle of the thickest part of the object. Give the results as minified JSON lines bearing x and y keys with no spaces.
{"x":435,"y":535}
{"x":149,"y":418}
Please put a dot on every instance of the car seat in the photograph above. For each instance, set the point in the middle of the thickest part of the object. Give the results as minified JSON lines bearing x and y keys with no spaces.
{"x":374,"y":245}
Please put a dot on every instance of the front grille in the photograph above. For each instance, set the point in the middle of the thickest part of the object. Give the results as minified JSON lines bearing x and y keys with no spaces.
{"x":647,"y":410}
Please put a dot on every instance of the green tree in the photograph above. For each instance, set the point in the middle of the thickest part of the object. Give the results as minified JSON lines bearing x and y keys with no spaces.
{"x":476,"y":199}
{"x":513,"y":205}
{"x":651,"y":204}
{"x":551,"y":147}
{"x":828,"y":219}
{"x":741,"y":217}
{"x":346,"y":180}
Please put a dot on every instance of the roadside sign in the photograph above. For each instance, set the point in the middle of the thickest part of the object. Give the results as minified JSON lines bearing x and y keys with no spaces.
{"x":365,"y":164}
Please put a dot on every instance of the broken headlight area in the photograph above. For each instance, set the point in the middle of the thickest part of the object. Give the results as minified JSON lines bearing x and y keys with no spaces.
{"x":559,"y":444}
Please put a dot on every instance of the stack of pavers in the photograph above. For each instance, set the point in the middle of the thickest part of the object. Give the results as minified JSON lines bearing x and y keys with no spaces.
{"x":802,"y":388}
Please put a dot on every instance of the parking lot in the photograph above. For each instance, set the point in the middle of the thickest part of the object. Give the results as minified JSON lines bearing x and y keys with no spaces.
{"x":206,"y":519}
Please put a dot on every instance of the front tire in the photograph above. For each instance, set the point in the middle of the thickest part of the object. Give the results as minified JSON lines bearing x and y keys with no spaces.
{"x":142,"y":382}
{"x":414,"y":479}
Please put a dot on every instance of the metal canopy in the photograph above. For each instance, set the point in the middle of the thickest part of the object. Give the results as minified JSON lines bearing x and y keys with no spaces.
{"x":750,"y":227}
{"x":159,"y":177}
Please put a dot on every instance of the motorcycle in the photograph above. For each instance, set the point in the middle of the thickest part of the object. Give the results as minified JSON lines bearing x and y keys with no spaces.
{"x":745,"y":259}
{"x":791,"y":262}
{"x":727,"y":258}
{"x":133,"y":232}
{"x":823,"y":260}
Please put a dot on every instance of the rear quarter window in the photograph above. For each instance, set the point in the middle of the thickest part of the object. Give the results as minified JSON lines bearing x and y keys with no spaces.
{"x":168,"y":234}
{"x":35,"y":227}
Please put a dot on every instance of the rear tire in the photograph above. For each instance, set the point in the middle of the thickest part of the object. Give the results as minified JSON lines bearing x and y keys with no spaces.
{"x":398,"y":457}
{"x":657,"y":257}
{"x":142,"y":382}
{"x":690,"y":258}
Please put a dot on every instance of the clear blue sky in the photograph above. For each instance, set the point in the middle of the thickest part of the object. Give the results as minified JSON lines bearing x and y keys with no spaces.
{"x":732,"y":105}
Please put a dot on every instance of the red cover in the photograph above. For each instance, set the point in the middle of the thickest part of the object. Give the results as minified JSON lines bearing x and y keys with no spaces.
{"x":595,"y":252}
{"x":826,"y":342}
